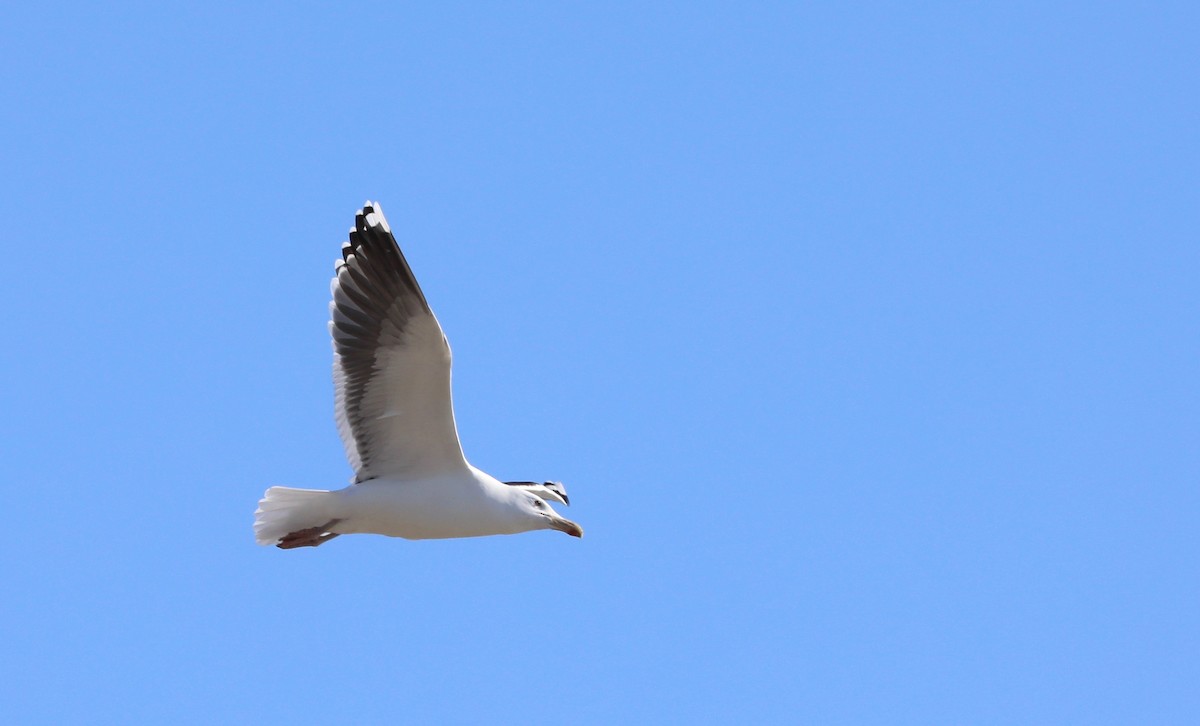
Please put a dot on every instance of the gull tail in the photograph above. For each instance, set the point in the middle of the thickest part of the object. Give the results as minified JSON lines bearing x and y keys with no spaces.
{"x":286,"y":511}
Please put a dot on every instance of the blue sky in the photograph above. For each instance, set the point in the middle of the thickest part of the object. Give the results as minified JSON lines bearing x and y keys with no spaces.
{"x":863,"y":336}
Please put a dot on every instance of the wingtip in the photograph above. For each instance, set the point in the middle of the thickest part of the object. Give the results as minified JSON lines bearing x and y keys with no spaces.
{"x":373,"y":214}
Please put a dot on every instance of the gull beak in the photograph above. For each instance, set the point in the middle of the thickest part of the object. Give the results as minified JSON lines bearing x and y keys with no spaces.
{"x":566,"y":525}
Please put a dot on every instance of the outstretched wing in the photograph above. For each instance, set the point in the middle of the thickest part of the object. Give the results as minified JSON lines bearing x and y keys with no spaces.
{"x":391,"y":362}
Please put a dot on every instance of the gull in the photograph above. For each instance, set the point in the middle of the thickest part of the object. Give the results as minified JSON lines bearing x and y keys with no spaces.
{"x":391,"y":380}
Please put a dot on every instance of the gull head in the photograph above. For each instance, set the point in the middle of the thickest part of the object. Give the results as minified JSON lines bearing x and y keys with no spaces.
{"x":541,"y":516}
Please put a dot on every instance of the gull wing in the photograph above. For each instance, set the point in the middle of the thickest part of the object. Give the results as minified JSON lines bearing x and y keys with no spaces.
{"x":391,"y":362}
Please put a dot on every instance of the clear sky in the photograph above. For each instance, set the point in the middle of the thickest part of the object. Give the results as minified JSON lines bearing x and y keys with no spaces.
{"x":864,"y":336}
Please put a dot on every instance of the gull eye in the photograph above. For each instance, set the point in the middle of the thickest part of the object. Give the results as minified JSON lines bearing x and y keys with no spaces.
{"x":539,"y":504}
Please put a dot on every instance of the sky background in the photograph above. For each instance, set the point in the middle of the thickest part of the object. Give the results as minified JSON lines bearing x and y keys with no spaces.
{"x":864,"y":337}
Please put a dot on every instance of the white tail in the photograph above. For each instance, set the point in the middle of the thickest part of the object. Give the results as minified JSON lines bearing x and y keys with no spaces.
{"x":283,"y":510}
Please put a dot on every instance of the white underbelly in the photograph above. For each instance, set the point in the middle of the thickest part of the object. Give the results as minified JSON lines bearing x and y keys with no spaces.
{"x":415,"y":510}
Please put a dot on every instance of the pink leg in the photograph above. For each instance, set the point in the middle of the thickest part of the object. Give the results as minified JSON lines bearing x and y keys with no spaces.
{"x":311,"y":537}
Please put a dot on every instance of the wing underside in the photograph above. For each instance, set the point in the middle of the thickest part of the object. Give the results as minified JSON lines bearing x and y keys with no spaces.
{"x":391,"y":363}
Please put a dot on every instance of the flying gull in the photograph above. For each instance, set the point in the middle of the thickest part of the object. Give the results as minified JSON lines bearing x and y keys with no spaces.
{"x":391,"y":380}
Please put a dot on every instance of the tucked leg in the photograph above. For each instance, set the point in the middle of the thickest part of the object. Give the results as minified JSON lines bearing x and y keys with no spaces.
{"x":311,"y":537}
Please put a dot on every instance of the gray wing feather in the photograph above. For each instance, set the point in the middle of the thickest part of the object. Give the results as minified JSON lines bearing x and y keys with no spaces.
{"x":391,"y":367}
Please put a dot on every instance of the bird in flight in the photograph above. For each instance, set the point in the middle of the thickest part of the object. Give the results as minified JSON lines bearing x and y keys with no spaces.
{"x":391,"y":381}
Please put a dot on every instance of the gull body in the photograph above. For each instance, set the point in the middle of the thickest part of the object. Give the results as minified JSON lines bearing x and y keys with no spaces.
{"x":394,"y":413}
